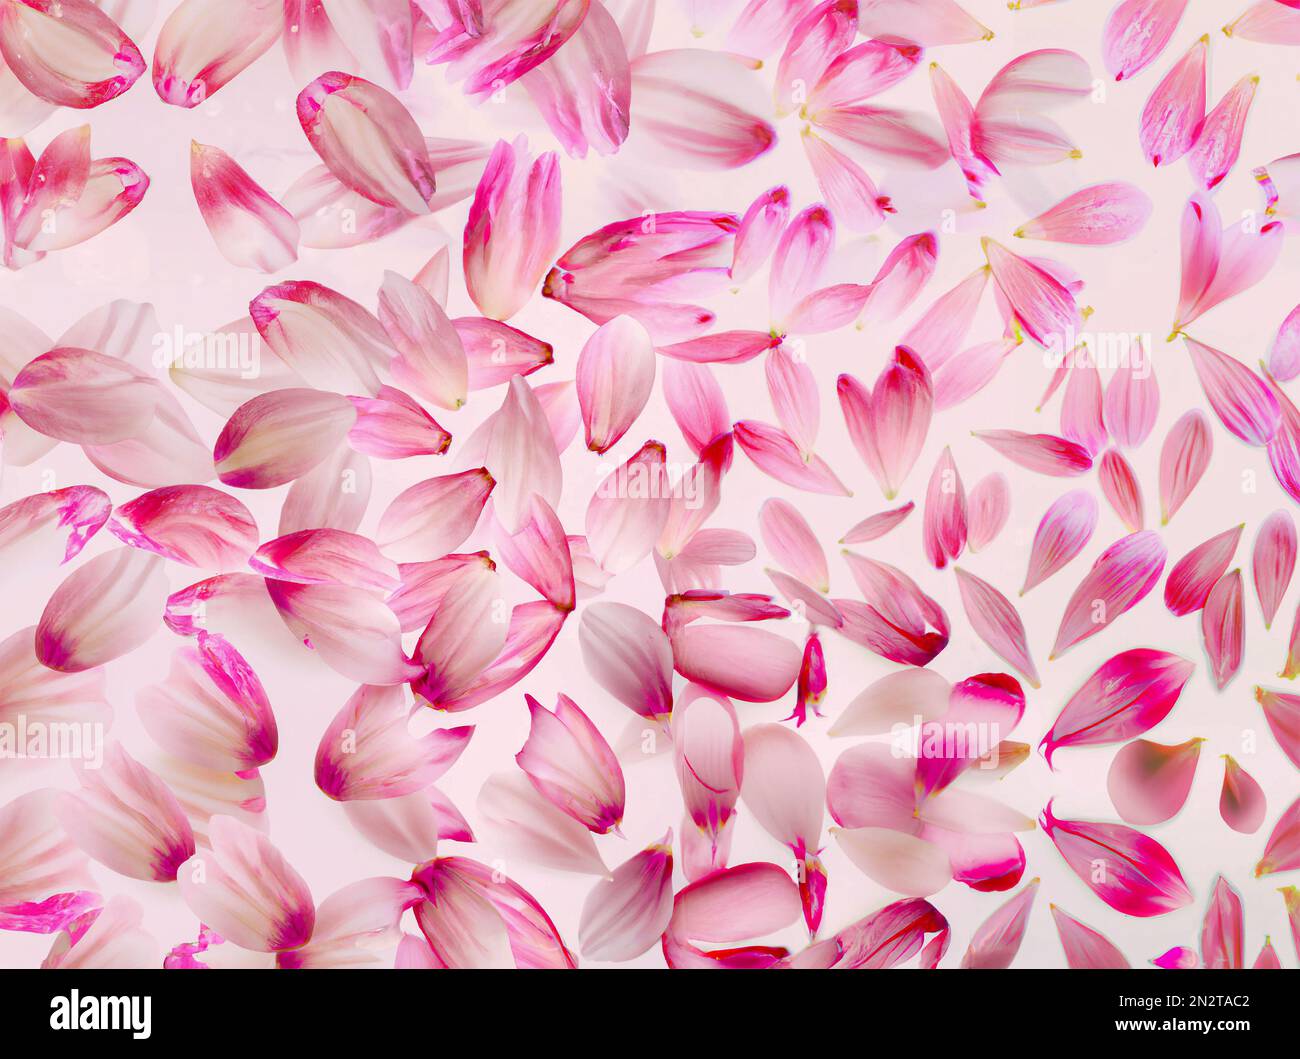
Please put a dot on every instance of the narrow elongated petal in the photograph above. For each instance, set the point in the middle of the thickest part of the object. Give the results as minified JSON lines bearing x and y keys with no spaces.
{"x":930,"y":23}
{"x":615,"y":375}
{"x":1097,"y":215}
{"x":1126,"y":696}
{"x":1273,"y":562}
{"x":1063,"y":532}
{"x":1043,"y":453}
{"x":102,"y":610}
{"x":1081,"y":407}
{"x":1136,"y":32}
{"x":68,"y":52}
{"x":998,"y":939}
{"x":996,"y":622}
{"x":1149,"y":782}
{"x":1243,"y":403}
{"x":1085,"y":948}
{"x":280,"y":436}
{"x":1242,"y":803}
{"x":944,"y":527}
{"x":369,"y":140}
{"x":760,"y":230}
{"x":326,"y":556}
{"x":626,"y":914}
{"x":1223,"y":629}
{"x":1222,"y":944}
{"x":1282,"y":852}
{"x":1175,"y":109}
{"x":1282,"y":712}
{"x":191,"y":524}
{"x":1119,"y":485}
{"x":205,"y":43}
{"x":1218,"y":142}
{"x":246,"y":891}
{"x":987,"y":509}
{"x":1120,"y":579}
{"x":875,"y":526}
{"x":1184,"y":458}
{"x":1131,"y":872}
{"x":497,"y":352}
{"x":519,"y":451}
{"x":815,"y":40}
{"x":1197,"y":572}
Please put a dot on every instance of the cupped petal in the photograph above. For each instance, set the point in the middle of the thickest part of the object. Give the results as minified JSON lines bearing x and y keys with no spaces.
{"x":570,"y":763}
{"x":206,"y":43}
{"x":68,"y":52}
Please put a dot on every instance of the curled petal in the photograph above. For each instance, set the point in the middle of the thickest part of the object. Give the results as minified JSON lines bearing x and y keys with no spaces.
{"x":83,"y":509}
{"x":539,"y":554}
{"x":570,"y":763}
{"x":68,"y":52}
{"x":1042,"y":305}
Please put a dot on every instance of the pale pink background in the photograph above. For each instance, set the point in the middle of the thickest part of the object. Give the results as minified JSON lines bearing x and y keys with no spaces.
{"x":162,"y":254}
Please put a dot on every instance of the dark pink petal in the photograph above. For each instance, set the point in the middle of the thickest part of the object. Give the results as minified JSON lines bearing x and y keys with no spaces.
{"x":326,"y":556}
{"x":1197,"y":572}
{"x":944,"y":527}
{"x":1242,"y":803}
{"x":1126,"y":696}
{"x":898,"y":620}
{"x":532,"y":630}
{"x":1175,"y":109}
{"x":1120,"y":579}
{"x":1243,"y":403}
{"x":875,"y":526}
{"x":1273,"y":562}
{"x":104,"y":609}
{"x":1282,"y":712}
{"x":68,"y":52}
{"x":1282,"y":853}
{"x":1223,"y":629}
{"x":1064,"y":532}
{"x":191,"y":524}
{"x":369,"y":140}
{"x":206,"y":43}
{"x":759,"y":231}
{"x":998,"y":939}
{"x":1119,"y":485}
{"x":1184,"y":458}
{"x":1132,"y":873}
{"x":280,"y":436}
{"x":1043,"y":453}
{"x":1218,"y":141}
{"x":615,"y":376}
{"x":433,"y":517}
{"x":774,"y":453}
{"x":1149,"y":782}
{"x":1222,"y":944}
{"x":696,"y":402}
{"x":996,"y":621}
{"x":1136,"y":32}
{"x":1085,"y":948}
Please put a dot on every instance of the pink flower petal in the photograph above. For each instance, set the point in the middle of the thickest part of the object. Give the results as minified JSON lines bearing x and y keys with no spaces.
{"x":82,"y":508}
{"x":792,"y":543}
{"x":1041,"y":304}
{"x":627,"y":654}
{"x":1242,"y":804}
{"x":432,"y":358}
{"x":1132,"y":873}
{"x":747,"y":663}
{"x":1184,"y":458}
{"x":250,"y":228}
{"x":996,"y":621}
{"x":821,"y":35}
{"x":1119,"y":485}
{"x":369,"y":140}
{"x":730,"y":906}
{"x":930,"y":23}
{"x":1043,"y":453}
{"x":1172,"y":116}
{"x":1223,"y":628}
{"x":1243,"y":403}
{"x":497,"y":352}
{"x":393,"y":426}
{"x":875,"y":526}
{"x":615,"y":375}
{"x":626,"y":914}
{"x":988,"y":506}
{"x":206,"y":43}
{"x":538,"y":553}
{"x":998,"y":939}
{"x":191,"y":524}
{"x":774,"y":453}
{"x":280,"y":436}
{"x":1064,"y":532}
{"x":1218,"y":142}
{"x":1085,"y":948}
{"x":1081,"y":407}
{"x":1120,"y":579}
{"x":1136,"y":32}
{"x":1273,"y":562}
{"x":1149,"y":782}
{"x":1282,"y":852}
{"x":760,"y":230}
{"x":1126,"y":696}
{"x":1132,"y":400}
{"x":326,"y":556}
{"x":84,"y":397}
{"x":696,"y":402}
{"x":433,"y":517}
{"x":68,"y":52}
{"x":888,"y":426}
{"x":944,"y":526}
{"x":570,"y":763}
